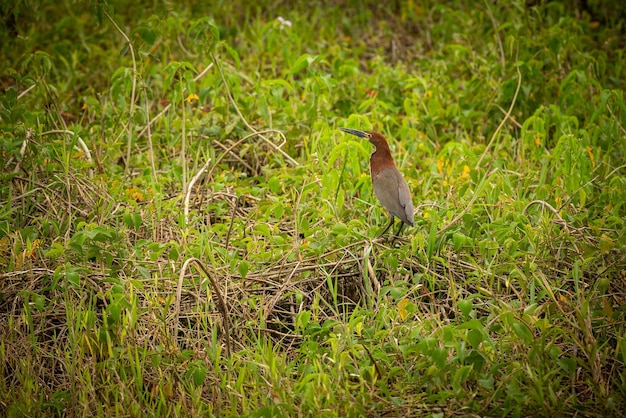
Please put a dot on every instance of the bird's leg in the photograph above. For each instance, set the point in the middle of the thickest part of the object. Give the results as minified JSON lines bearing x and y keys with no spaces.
{"x":388,"y":226}
{"x":400,"y":229}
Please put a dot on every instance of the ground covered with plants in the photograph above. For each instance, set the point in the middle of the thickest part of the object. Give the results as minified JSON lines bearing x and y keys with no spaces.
{"x":185,"y":232}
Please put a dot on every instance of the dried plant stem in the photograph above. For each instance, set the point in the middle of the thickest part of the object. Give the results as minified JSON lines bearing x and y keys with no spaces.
{"x":80,"y":142}
{"x":506,"y":117}
{"x":221,"y":305}
{"x":132,"y":93}
{"x":234,"y":145}
{"x":166,"y":108}
{"x":183,"y":147}
{"x":150,"y":146}
{"x":245,"y":122}
{"x":193,"y":181}
{"x":238,"y":202}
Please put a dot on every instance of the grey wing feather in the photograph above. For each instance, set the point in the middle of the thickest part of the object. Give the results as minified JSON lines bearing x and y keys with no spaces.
{"x":405,"y":200}
{"x":387,"y":182}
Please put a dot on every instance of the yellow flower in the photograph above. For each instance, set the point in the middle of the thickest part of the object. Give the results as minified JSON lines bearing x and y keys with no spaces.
{"x":538,"y":140}
{"x":192,"y":97}
{"x":466,"y":171}
{"x":590,"y":152}
{"x":402,"y":305}
{"x":135,"y":193}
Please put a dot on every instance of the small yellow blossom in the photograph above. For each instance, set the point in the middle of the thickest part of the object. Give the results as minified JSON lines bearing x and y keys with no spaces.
{"x":402,"y":308}
{"x":591,"y":157}
{"x":440,"y":165}
{"x":538,"y":140}
{"x":466,"y":172}
{"x":192,"y":97}
{"x":135,"y":194}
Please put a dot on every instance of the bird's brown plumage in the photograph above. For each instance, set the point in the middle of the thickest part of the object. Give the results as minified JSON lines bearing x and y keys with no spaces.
{"x":389,"y":186}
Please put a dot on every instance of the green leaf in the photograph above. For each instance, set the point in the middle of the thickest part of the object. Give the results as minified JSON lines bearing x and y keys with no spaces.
{"x":147,"y":34}
{"x":458,"y":240}
{"x":487,"y":382}
{"x":197,"y":372}
{"x":302,"y":320}
{"x":462,"y":374}
{"x":145,"y":273}
{"x":233,"y":53}
{"x":72,"y":277}
{"x":243,"y":268}
{"x":522,"y":332}
{"x":39,"y":302}
{"x":301,"y":63}
{"x":475,"y":337}
{"x":56,"y":250}
{"x":568,"y":364}
{"x":277,"y":82}
{"x":340,"y":228}
{"x":465,"y":306}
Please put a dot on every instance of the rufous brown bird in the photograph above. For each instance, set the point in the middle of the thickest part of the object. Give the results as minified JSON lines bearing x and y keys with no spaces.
{"x":389,"y":186}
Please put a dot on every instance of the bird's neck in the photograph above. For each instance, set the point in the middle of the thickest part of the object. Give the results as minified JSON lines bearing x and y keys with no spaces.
{"x":381,"y":159}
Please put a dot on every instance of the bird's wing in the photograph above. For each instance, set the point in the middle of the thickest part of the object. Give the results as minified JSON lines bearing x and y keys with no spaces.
{"x":389,"y":184}
{"x":405,"y":199}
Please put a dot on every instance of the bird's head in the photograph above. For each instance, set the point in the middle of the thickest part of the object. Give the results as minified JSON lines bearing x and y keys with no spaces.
{"x":375,"y":138}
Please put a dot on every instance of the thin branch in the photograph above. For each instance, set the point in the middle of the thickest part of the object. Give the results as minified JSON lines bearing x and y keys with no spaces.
{"x":183,"y":147}
{"x":234,"y":155}
{"x":80,"y":142}
{"x":497,"y":35}
{"x":269,"y":307}
{"x":221,"y":305}
{"x":516,"y":123}
{"x":132,"y":93}
{"x":238,"y":202}
{"x":189,"y":188}
{"x":507,"y":116}
{"x":545,"y":205}
{"x":477,"y":193}
{"x":229,"y":149}
{"x":25,"y":92}
{"x":29,"y":136}
{"x":166,"y":108}
{"x":616,"y":169}
{"x":150,"y":147}
{"x":245,"y":122}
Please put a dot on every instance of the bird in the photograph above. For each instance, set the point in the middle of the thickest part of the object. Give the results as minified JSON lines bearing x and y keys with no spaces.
{"x":389,"y":185}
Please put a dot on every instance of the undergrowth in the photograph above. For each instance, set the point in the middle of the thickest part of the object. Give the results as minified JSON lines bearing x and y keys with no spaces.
{"x":185,"y":232}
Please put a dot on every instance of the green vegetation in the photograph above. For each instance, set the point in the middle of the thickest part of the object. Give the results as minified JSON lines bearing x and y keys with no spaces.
{"x":185,"y":232}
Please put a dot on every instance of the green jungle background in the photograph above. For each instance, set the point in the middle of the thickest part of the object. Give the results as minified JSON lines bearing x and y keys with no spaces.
{"x":185,"y":232}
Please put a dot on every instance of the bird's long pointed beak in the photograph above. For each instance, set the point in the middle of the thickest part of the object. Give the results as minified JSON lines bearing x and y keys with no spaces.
{"x":360,"y":134}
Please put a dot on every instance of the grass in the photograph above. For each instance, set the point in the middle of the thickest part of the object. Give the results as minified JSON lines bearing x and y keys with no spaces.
{"x":185,"y":232}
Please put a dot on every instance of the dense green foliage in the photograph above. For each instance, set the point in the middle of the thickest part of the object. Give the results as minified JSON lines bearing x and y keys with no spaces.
{"x":185,"y":232}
